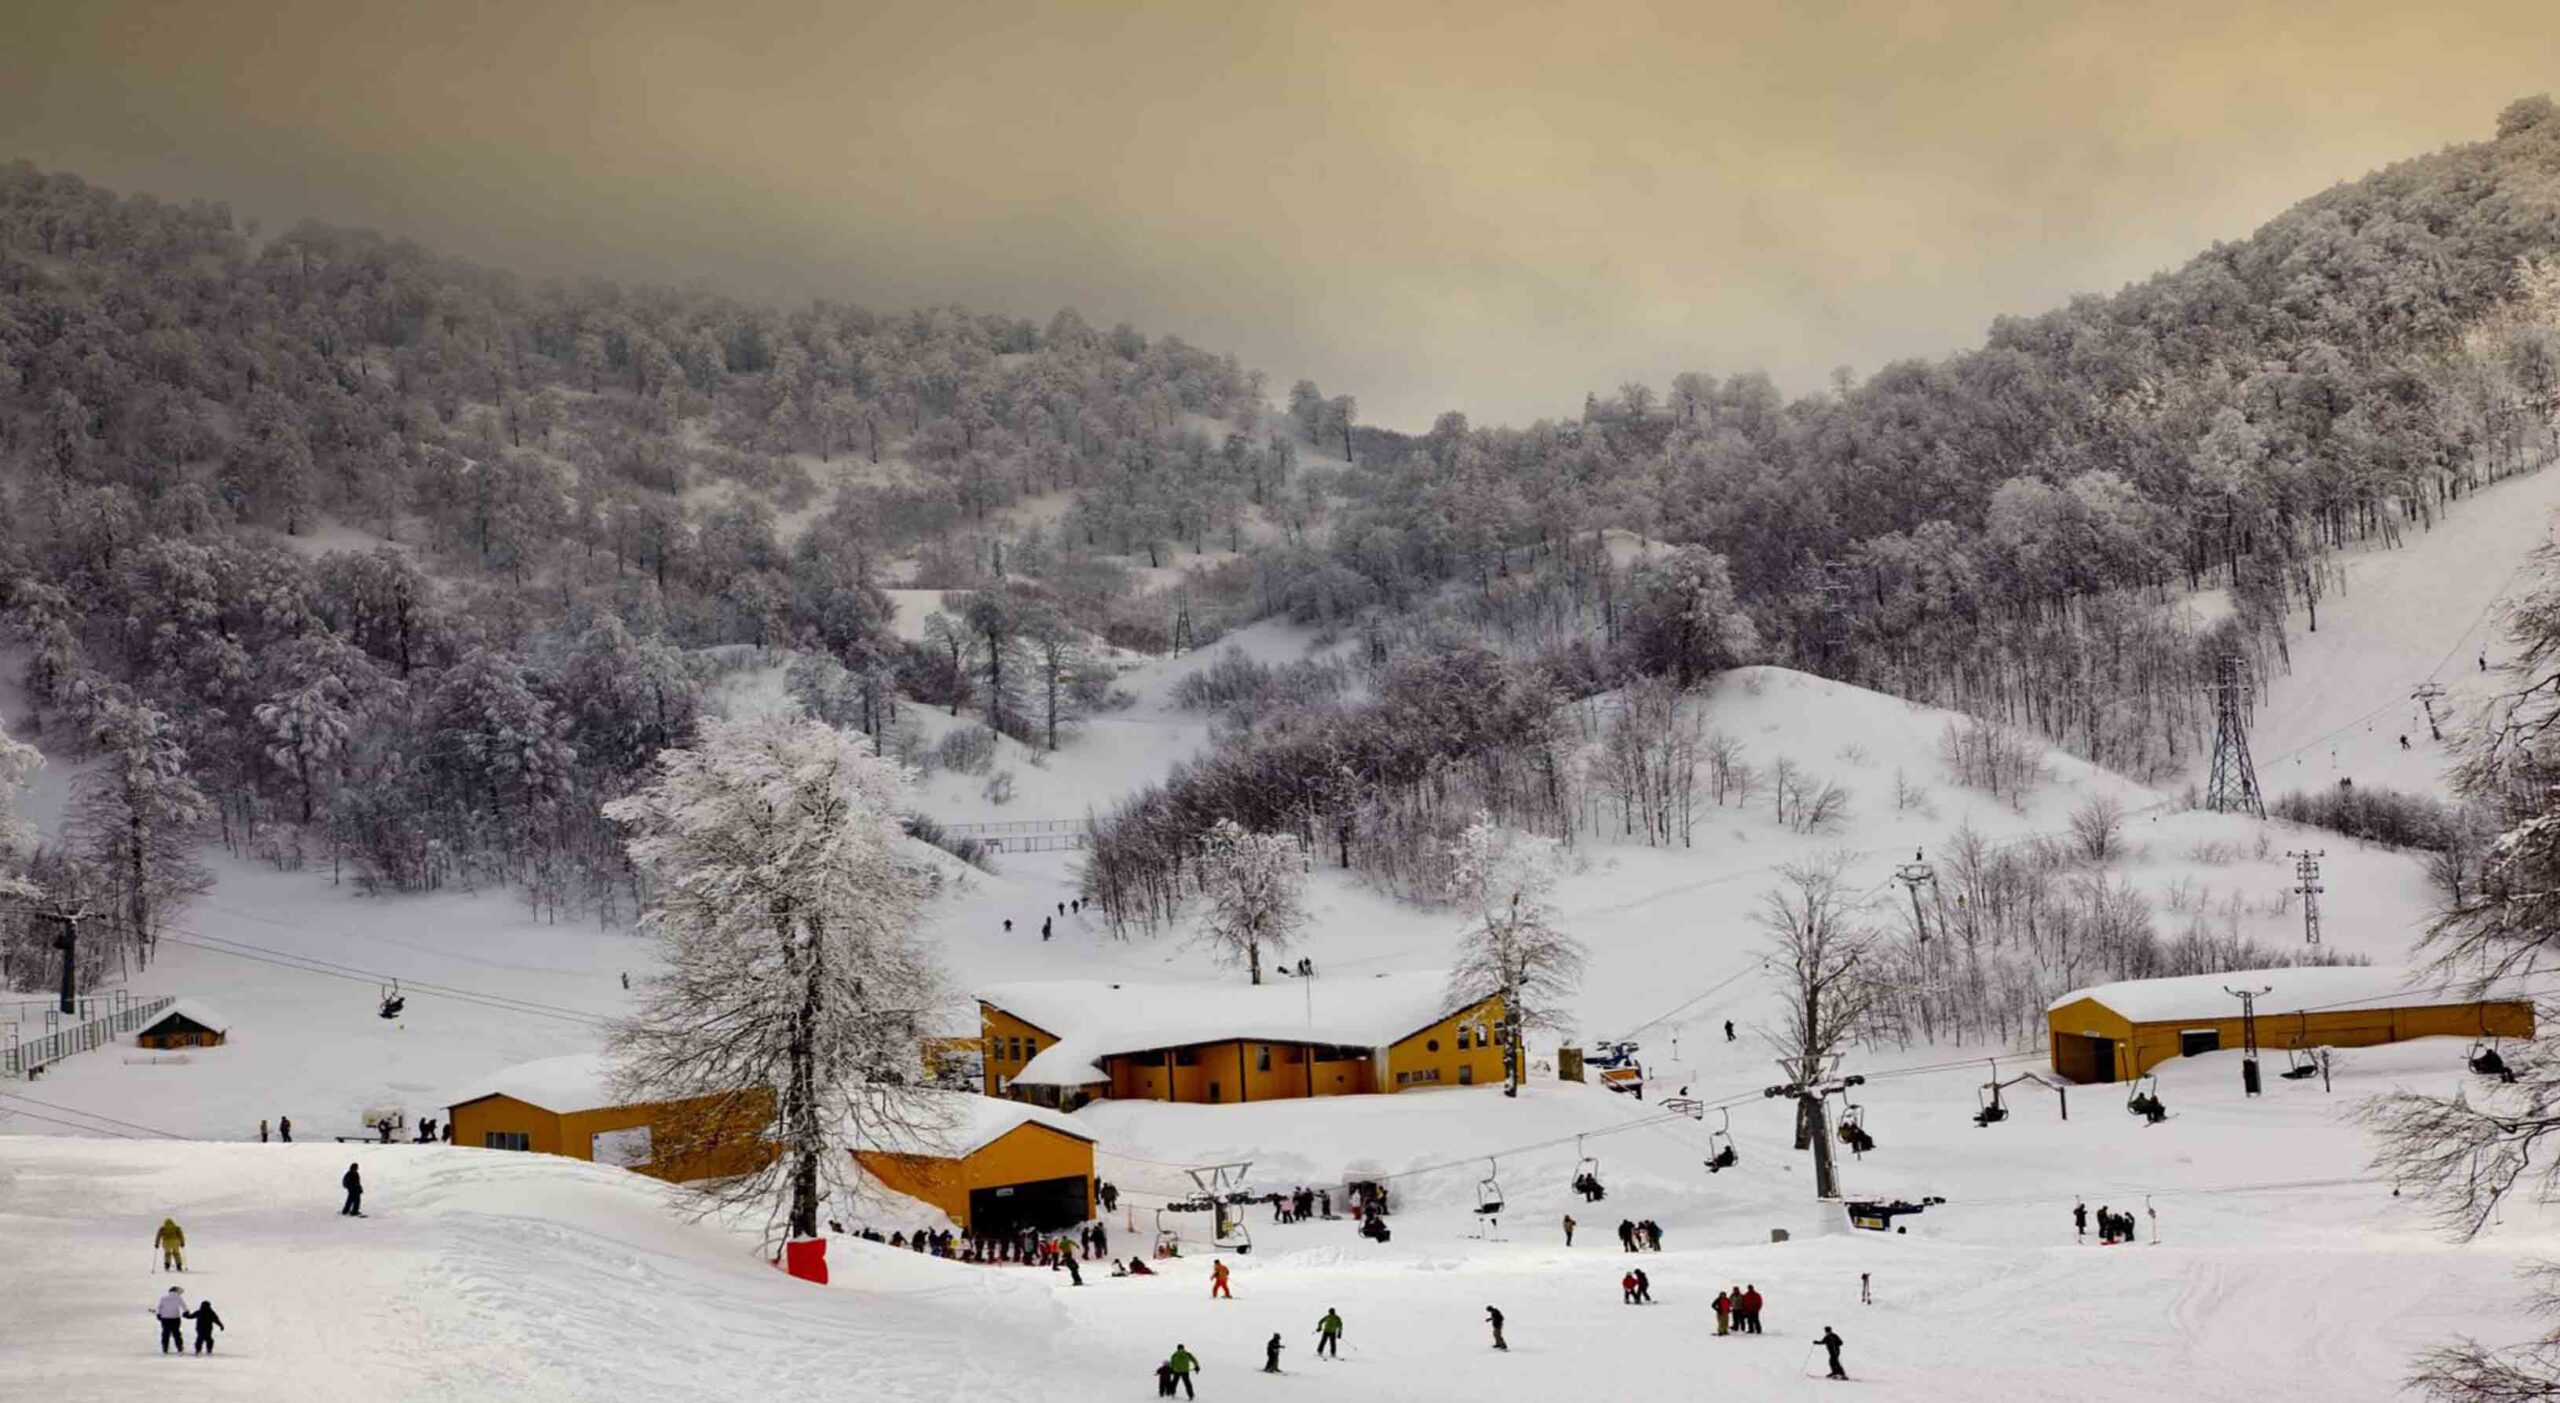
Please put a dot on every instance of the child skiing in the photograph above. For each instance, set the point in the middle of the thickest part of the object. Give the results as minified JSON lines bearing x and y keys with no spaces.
{"x":353,"y":1183}
{"x":206,"y":1323}
{"x":172,"y":1242}
{"x":1271,"y":1354}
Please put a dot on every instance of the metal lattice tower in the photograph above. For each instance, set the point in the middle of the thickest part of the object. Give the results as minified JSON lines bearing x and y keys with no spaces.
{"x":2234,"y":785}
{"x":1912,"y":874}
{"x":2306,"y":868}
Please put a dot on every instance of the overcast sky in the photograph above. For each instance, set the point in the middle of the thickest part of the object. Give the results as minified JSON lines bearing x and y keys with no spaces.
{"x":1469,"y":205}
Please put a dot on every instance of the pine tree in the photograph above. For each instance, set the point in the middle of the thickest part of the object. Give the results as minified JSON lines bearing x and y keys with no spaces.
{"x":17,"y":761}
{"x":1504,"y":880}
{"x":133,"y":817}
{"x":1254,"y":882}
{"x":786,"y":911}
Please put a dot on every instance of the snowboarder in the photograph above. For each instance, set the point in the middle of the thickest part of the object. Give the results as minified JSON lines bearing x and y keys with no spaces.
{"x":1724,"y":1309}
{"x":1644,"y":1288}
{"x":171,"y":1310}
{"x":1494,"y":1318}
{"x":1271,"y":1354}
{"x":1627,"y":1288}
{"x":1183,"y":1363}
{"x":1830,"y":1342}
{"x":1218,"y":1280}
{"x":2080,"y":1217}
{"x":1568,"y":1230}
{"x":284,"y":1129}
{"x":1138,"y":1267}
{"x":206,"y":1323}
{"x":1866,"y":1291}
{"x":172,"y":1242}
{"x":1329,"y":1334}
{"x":353,"y":1183}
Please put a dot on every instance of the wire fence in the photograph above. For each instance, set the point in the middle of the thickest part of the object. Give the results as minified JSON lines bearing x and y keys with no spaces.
{"x":21,"y":1058}
{"x":1035,"y":835}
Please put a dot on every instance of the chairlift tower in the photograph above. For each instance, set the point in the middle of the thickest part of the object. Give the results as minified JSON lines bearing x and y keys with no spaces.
{"x":1912,"y":875}
{"x":2233,"y":787}
{"x":2425,"y":695}
{"x":1812,"y":1090}
{"x":2306,"y":871}
{"x":2248,"y":998}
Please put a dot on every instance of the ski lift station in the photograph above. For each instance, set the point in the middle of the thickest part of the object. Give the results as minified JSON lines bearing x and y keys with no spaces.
{"x":2120,"y":1031}
{"x":996,"y":1166}
{"x":567,"y":1106}
{"x":1063,"y":1043}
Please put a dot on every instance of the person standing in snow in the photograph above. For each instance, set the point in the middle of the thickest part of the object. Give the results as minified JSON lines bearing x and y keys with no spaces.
{"x":171,"y":1310}
{"x":1830,"y":1341}
{"x":1183,"y":1363}
{"x":2080,"y":1217}
{"x":1568,"y":1230}
{"x":1494,"y":1318}
{"x":206,"y":1323}
{"x":1751,"y":1303}
{"x":1164,"y":1379}
{"x":284,"y":1129}
{"x":262,"y":1131}
{"x":1627,"y":1288}
{"x":1329,"y":1334}
{"x":1728,"y":1030}
{"x":353,"y":1183}
{"x":1218,"y":1280}
{"x":1724,"y":1308}
{"x":172,"y":1242}
{"x":1644,"y":1288}
{"x":1866,"y":1290}
{"x":1271,"y":1354}
{"x":1044,"y":928}
{"x":1627,"y":1234}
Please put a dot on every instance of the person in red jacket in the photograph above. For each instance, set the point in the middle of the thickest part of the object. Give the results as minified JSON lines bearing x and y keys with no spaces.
{"x":1218,"y":1281}
{"x":1627,"y":1287}
{"x":1751,"y":1309}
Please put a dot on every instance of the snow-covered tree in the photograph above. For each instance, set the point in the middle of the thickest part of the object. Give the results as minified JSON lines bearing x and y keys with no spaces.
{"x":1514,"y":945}
{"x":133,"y":818}
{"x":306,"y":731}
{"x":1255,"y":883}
{"x":786,"y":913}
{"x":1824,"y":957}
{"x":17,"y":761}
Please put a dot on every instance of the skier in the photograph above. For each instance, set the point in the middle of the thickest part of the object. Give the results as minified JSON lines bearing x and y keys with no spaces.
{"x":1164,"y":1379}
{"x":1138,"y":1267}
{"x":1728,"y":1030}
{"x":171,"y":1310}
{"x":172,"y":1242}
{"x":1568,"y":1230}
{"x":1183,"y":1363}
{"x":1271,"y":1354}
{"x":1724,"y":1307}
{"x":206,"y":1323}
{"x":1494,"y":1318}
{"x":284,"y":1129}
{"x":1830,"y":1342}
{"x":1218,"y":1280}
{"x":1075,"y":1274}
{"x":2080,"y":1217}
{"x":353,"y":1183}
{"x":1644,"y":1288}
{"x":1329,"y":1335}
{"x":1866,"y":1291}
{"x":2106,"y":1227}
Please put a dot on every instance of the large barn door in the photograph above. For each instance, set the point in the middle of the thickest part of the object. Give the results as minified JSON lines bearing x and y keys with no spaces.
{"x":1046,"y":1204}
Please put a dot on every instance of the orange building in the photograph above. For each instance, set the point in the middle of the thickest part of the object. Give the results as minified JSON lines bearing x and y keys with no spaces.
{"x":1063,"y":1043}
{"x":2114,"y":1032}
{"x":185,"y":1023}
{"x":993,"y":1166}
{"x":567,"y":1106}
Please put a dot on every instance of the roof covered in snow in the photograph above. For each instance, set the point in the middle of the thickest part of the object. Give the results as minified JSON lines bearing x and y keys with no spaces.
{"x":2311,"y":989}
{"x":579,"y":1082}
{"x":959,"y":1123}
{"x":1093,"y":1020}
{"x":200,"y":1012}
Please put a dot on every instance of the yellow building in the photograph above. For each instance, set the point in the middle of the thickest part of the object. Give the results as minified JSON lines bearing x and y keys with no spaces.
{"x":1062,"y":1043}
{"x":185,"y":1023}
{"x":2114,"y":1032}
{"x":996,"y":1166}
{"x":567,"y":1106}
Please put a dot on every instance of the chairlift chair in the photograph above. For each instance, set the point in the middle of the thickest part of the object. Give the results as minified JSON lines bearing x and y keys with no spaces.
{"x":392,"y":1001}
{"x":1168,"y":1241}
{"x":1853,"y":1130}
{"x":1586,"y":1176}
{"x":1720,"y":1152}
{"x":1489,"y":1191}
{"x":1993,"y":1111}
{"x":2484,"y":1059}
{"x":1232,"y":1234}
{"x":2144,"y":1100}
{"x":2301,"y":1064}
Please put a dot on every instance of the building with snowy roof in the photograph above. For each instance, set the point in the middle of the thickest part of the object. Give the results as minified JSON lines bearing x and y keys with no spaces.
{"x":990,"y":1164}
{"x":569,"y":1106}
{"x":1065,"y":1042}
{"x":186,"y":1023}
{"x":2114,"y":1032}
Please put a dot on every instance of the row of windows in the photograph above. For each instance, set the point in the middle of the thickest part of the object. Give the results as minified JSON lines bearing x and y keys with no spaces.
{"x":1013,"y":1049}
{"x":505,"y":1140}
{"x":1425,"y":1074}
{"x":1470,"y":1035}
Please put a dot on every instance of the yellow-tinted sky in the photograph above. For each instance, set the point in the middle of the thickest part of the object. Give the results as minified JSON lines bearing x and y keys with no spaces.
{"x":1470,"y":204}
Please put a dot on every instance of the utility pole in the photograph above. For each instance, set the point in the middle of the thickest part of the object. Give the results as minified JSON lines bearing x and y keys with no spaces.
{"x":2248,"y":1034}
{"x":2233,"y":787}
{"x":1911,"y":874}
{"x":2425,"y":696}
{"x":2306,"y":870}
{"x":1811,"y":1092}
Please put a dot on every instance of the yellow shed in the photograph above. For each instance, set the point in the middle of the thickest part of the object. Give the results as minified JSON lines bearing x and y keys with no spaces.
{"x":185,"y":1023}
{"x":998,"y":1165}
{"x":2113,"y":1032}
{"x":1062,"y":1043}
{"x":567,"y":1106}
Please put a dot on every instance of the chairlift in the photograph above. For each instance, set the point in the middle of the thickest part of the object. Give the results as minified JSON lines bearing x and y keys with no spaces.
{"x":1232,"y":1234}
{"x":1853,"y":1129}
{"x":2144,"y":1100}
{"x":1168,"y":1241}
{"x":1993,"y":1111}
{"x":2485,"y":1060}
{"x":1489,"y":1191}
{"x":1720,"y":1152}
{"x":2301,"y":1064}
{"x":1586,"y":1176}
{"x":392,"y":1001}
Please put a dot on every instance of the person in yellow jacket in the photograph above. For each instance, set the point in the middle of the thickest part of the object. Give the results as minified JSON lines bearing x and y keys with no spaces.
{"x":172,"y":1242}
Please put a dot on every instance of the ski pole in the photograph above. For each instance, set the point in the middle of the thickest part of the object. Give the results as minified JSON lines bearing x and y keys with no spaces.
{"x":1807,"y":1371}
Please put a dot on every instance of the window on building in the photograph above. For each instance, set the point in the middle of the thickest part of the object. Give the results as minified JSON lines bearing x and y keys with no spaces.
{"x":1030,"y":1048}
{"x":1465,"y":1036}
{"x":1431,"y":1046}
{"x":1013,"y":1049}
{"x":506,"y":1140}
{"x":1186,"y":1057}
{"x":1262,"y":1058}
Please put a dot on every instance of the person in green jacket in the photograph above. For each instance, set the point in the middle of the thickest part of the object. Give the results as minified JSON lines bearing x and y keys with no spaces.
{"x":1183,"y":1363}
{"x":172,"y":1242}
{"x":1329,"y":1334}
